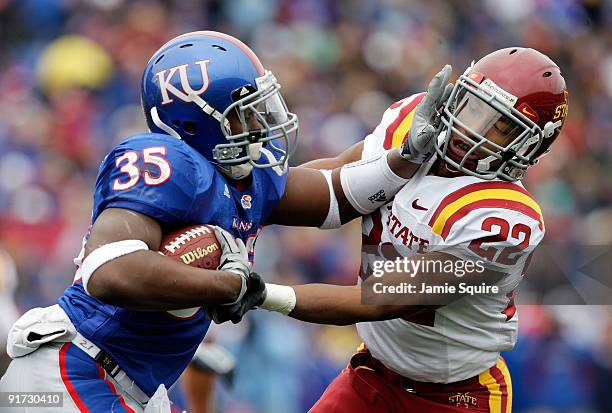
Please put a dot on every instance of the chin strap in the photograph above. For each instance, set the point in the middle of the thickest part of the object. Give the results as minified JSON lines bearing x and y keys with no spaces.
{"x":279,"y":169}
{"x":243,"y":170}
{"x":550,"y":127}
{"x":236,"y":172}
{"x":209,"y":110}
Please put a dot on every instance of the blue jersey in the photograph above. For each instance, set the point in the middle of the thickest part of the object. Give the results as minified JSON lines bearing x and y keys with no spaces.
{"x":165,"y":179}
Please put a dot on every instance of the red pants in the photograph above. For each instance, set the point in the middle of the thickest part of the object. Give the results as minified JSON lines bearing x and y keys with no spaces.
{"x":367,"y":386}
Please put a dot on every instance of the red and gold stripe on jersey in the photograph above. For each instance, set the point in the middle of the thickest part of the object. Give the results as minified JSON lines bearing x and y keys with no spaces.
{"x":397,"y":131}
{"x":499,"y":195}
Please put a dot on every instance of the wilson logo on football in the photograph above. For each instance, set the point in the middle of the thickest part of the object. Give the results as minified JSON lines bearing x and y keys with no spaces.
{"x":198,"y":253}
{"x":164,"y":79}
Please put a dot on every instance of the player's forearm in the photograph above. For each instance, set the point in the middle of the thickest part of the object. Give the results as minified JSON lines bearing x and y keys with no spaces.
{"x":335,"y":304}
{"x":365,"y":198}
{"x":330,"y":198}
{"x":328,"y":304}
{"x":146,"y":280}
{"x":331,"y":304}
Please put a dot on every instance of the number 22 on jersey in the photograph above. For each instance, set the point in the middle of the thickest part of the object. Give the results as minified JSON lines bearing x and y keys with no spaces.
{"x":128,"y":165}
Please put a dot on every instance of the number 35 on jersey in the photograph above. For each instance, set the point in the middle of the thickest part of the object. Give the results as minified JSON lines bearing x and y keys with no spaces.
{"x":150,"y":165}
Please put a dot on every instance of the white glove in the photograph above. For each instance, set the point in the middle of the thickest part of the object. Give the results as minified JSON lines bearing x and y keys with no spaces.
{"x":419,"y":145}
{"x":234,"y":257}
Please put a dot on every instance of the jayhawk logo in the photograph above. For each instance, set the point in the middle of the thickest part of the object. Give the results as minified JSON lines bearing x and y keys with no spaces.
{"x":246,"y":201}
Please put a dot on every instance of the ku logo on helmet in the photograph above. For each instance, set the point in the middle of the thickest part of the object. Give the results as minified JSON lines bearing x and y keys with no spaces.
{"x":164,"y":80}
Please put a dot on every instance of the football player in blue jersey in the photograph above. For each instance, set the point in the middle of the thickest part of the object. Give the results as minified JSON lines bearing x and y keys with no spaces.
{"x":217,"y":153}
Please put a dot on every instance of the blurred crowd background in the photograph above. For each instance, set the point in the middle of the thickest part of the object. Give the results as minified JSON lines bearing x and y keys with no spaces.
{"x":69,"y":91}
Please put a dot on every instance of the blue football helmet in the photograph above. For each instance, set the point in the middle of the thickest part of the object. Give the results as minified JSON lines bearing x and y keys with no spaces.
{"x":193,"y":83}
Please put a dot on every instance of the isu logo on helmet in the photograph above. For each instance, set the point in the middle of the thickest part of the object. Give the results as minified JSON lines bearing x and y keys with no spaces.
{"x":166,"y":87}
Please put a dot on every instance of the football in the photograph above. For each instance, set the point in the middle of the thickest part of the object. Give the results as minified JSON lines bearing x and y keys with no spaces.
{"x":195,"y":245}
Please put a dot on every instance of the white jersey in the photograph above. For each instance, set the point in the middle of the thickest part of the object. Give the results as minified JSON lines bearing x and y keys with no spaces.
{"x":495,"y":222}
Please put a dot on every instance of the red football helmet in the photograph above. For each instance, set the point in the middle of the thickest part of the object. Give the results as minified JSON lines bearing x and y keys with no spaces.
{"x":503,"y":113}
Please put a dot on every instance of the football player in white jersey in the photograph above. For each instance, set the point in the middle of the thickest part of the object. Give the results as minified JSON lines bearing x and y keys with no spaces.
{"x":435,"y":347}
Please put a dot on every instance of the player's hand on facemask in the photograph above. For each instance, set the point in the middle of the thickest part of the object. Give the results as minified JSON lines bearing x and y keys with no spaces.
{"x":419,"y":144}
{"x":253,"y":297}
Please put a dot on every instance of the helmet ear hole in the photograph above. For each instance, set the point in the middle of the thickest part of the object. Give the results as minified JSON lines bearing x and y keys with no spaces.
{"x":190,"y":127}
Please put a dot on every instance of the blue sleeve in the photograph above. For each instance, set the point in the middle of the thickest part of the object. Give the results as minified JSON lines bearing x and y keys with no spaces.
{"x":274,"y":189}
{"x":151,"y":174}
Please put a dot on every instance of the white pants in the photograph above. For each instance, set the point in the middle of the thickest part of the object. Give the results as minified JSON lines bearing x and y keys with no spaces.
{"x":50,"y":362}
{"x":41,"y":371}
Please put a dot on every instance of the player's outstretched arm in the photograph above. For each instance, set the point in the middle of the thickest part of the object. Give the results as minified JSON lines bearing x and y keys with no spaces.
{"x":145,"y":279}
{"x":338,"y":305}
{"x":330,"y":198}
{"x":370,"y":301}
{"x":344,"y":305}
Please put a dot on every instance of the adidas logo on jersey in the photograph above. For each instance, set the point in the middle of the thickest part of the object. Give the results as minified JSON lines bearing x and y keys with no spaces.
{"x":380,"y":196}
